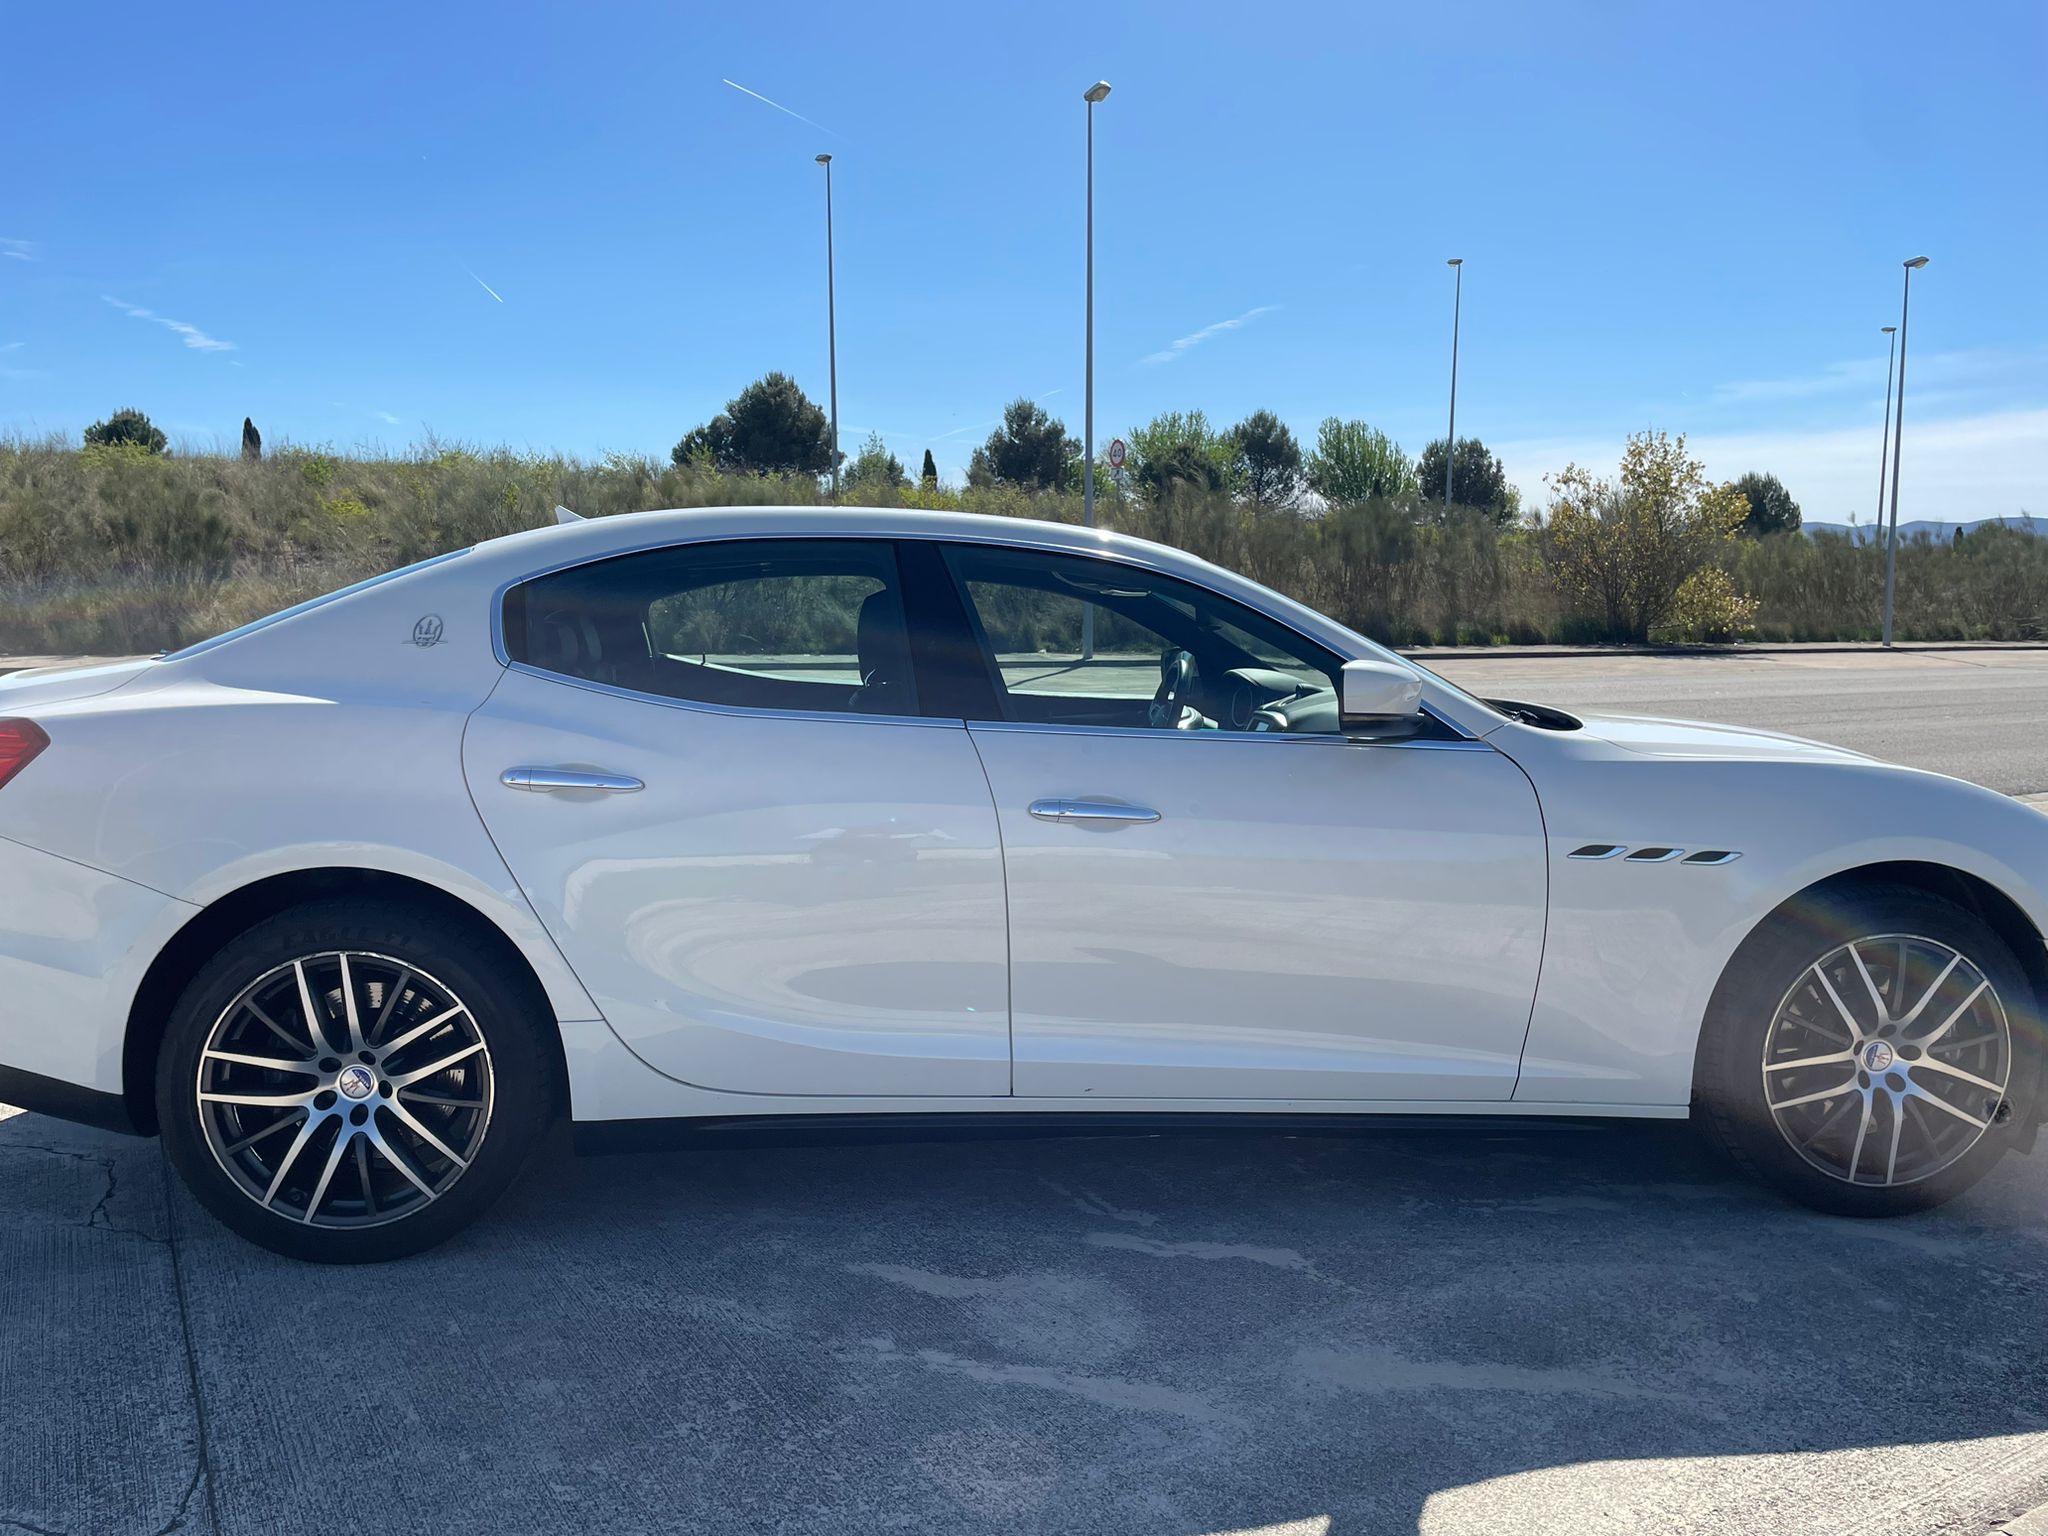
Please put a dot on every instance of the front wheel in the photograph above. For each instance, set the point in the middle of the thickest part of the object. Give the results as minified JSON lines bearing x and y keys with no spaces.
{"x":1871,"y":1052}
{"x":348,"y":1082}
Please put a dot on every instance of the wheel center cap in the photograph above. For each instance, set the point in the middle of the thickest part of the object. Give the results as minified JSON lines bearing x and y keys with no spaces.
{"x":1878,"y":1056}
{"x":361,"y":1082}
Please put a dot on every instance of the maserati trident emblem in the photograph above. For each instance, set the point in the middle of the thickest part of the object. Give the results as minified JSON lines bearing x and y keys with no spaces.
{"x":428,"y":631}
{"x":356,"y":1082}
{"x":1878,"y":1056}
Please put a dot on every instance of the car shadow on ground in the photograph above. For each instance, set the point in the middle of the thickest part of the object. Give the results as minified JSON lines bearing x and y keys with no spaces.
{"x":1529,"y":1331}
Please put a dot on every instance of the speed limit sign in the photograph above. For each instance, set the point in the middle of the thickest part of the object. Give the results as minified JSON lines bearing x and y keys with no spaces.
{"x":1116,"y":453}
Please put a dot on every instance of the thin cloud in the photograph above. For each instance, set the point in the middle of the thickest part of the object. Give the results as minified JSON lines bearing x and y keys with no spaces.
{"x":13,"y":346}
{"x":1187,"y":343}
{"x":18,"y":250}
{"x":191,"y":335}
{"x":388,"y":419}
{"x":778,"y":106}
{"x":487,"y":288}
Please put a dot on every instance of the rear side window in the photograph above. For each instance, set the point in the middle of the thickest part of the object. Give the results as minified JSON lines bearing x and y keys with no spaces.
{"x":804,"y":624}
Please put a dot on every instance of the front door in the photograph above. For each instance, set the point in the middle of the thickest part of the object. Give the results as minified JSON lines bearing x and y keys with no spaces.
{"x":1213,"y":895}
{"x":771,"y":875}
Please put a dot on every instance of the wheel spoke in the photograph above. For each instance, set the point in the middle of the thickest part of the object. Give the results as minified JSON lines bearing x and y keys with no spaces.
{"x":391,"y":998}
{"x":274,"y":1063}
{"x":320,"y":1040}
{"x":327,"y":1174}
{"x":406,"y":1078}
{"x":1974,"y":1040}
{"x":276,"y":1028}
{"x":1848,"y":1018}
{"x":426,"y":1028}
{"x":291,"y":1156}
{"x":438,"y":1100}
{"x":1891,"y":1162}
{"x":1876,"y":997}
{"x":1862,"y":1130}
{"x":1847,"y":1085}
{"x":1932,"y":988}
{"x":390,"y":1154}
{"x":1921,"y":1095}
{"x":1957,"y":1072}
{"x":1949,"y":1023}
{"x":348,"y":1008}
{"x":1808,"y":1061}
{"x":418,"y":1127}
{"x":258,"y":1100}
{"x":1827,"y":1122}
{"x":269,"y":1130}
{"x":363,"y":1175}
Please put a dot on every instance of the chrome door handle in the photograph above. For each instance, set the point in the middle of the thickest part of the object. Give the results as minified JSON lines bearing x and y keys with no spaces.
{"x":1090,"y":810}
{"x":547,"y":780}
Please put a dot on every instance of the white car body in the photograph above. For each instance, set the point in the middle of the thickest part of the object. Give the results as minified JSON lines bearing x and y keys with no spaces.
{"x":820,"y":914}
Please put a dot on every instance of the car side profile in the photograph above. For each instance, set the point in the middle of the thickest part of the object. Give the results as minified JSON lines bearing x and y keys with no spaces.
{"x":761,"y":819}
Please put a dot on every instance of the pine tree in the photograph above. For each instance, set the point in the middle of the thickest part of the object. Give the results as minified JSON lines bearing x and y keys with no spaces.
{"x":930,"y":476}
{"x":252,"y":440}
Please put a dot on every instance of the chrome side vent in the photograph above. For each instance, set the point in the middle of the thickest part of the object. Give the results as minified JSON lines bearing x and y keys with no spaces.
{"x":1713,"y":856}
{"x":1597,"y":851}
{"x":1654,"y":855}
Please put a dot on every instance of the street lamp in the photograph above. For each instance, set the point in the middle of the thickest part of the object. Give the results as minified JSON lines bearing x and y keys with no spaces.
{"x":831,"y":324}
{"x":1884,"y":443}
{"x":1891,"y":554}
{"x":1095,"y":93}
{"x":1457,"y":265}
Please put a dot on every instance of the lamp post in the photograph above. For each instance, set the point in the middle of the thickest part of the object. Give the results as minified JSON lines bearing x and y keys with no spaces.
{"x":1457,"y":265}
{"x":1095,"y":93}
{"x":1891,"y":551}
{"x":831,"y":324}
{"x":1884,"y":443}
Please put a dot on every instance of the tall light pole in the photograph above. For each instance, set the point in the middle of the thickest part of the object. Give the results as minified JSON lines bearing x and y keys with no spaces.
{"x":1891,"y":551}
{"x":1095,"y":93}
{"x":1457,"y":265}
{"x":831,"y":324}
{"x":1884,"y":443}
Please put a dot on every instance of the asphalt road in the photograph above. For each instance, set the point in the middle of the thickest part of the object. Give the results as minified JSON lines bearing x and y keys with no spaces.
{"x":1977,"y":714}
{"x":1545,"y":1331}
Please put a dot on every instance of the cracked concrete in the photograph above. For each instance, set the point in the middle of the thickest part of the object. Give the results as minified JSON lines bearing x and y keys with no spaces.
{"x":1538,"y":1332}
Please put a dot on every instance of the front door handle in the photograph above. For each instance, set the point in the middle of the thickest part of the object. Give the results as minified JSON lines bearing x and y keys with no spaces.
{"x":550,"y":780}
{"x":1090,"y":810}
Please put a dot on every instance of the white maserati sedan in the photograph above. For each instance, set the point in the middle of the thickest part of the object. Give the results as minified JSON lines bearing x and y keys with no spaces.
{"x":777,"y":820}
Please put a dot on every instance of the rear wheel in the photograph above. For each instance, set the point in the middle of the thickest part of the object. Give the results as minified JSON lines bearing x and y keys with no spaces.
{"x":348,"y":1082}
{"x":1871,"y":1053}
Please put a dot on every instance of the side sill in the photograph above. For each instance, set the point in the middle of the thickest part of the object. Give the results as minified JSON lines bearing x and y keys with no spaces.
{"x":65,"y":1101}
{"x":599,"y":1137}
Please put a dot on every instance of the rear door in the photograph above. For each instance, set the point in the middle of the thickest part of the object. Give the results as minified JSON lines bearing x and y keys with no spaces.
{"x":708,"y":770}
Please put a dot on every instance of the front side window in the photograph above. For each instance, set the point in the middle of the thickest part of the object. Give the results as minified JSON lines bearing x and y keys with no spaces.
{"x":808,"y":624}
{"x":1070,"y":640}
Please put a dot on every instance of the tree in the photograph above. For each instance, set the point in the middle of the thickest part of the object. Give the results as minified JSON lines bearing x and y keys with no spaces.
{"x":769,"y":428}
{"x":1771,"y":507}
{"x":1354,"y":462}
{"x":875,"y":466}
{"x":252,"y":440}
{"x":1029,"y":449}
{"x":1267,"y":459}
{"x":1181,"y":448}
{"x":1623,"y":551}
{"x":929,"y":476}
{"x":1477,"y":478}
{"x":128,"y":426}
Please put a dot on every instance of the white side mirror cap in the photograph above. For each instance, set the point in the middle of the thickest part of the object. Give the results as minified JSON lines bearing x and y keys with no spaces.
{"x":1377,"y":694}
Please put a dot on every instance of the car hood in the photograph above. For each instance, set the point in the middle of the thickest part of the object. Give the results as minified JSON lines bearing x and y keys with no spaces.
{"x":60,"y":685}
{"x":1653,"y":736}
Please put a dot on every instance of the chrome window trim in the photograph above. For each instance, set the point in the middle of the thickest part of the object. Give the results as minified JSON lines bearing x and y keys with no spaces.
{"x":1461,"y":743}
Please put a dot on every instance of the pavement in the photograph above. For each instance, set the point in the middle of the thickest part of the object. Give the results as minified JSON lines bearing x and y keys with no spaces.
{"x":1534,"y":1331}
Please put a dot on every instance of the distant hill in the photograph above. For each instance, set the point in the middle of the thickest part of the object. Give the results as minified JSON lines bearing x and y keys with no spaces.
{"x":1870,"y":533}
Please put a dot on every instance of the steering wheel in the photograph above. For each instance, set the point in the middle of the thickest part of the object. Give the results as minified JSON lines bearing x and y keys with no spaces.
{"x":1170,"y":707}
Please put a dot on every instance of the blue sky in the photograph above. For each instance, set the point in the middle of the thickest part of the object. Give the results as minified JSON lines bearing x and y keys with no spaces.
{"x":1686,"y":218}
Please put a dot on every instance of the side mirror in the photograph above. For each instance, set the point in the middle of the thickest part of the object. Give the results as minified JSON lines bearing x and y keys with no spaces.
{"x":1379,"y":699}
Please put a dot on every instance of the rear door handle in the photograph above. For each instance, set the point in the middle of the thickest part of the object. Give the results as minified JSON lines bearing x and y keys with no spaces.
{"x":1090,"y":810}
{"x":550,"y":780}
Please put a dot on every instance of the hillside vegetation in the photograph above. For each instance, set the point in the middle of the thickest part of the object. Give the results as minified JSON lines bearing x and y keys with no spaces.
{"x":115,"y":547}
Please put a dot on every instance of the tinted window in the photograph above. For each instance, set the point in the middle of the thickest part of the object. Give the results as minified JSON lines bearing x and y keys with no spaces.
{"x":762,"y":624}
{"x":1074,"y":641}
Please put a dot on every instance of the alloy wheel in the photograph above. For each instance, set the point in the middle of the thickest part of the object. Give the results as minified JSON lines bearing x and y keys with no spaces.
{"x":345,"y":1089}
{"x":1887,"y":1060}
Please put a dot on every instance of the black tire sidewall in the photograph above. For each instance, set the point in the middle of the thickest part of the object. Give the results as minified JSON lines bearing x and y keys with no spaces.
{"x":1729,"y":1081}
{"x":525,"y":1091}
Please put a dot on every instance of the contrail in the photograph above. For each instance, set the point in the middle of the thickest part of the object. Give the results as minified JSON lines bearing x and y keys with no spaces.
{"x":778,"y":106}
{"x":487,"y":288}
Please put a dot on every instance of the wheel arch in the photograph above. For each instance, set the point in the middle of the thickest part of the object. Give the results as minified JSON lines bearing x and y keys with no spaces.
{"x":204,"y":934}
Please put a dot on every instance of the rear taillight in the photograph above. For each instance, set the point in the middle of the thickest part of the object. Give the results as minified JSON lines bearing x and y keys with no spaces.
{"x":20,"y":741}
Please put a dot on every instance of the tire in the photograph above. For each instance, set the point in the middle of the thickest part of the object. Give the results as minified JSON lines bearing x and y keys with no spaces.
{"x":1830,"y":1036}
{"x":354,"y":1155}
